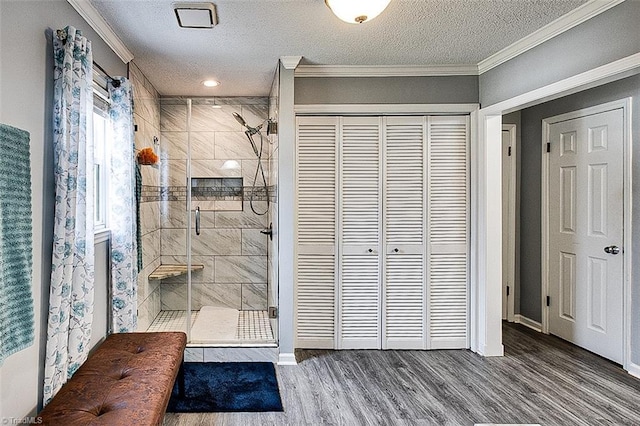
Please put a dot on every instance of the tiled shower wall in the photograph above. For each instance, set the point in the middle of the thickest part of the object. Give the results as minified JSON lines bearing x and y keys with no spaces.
{"x":147,"y":119}
{"x":230,"y":246}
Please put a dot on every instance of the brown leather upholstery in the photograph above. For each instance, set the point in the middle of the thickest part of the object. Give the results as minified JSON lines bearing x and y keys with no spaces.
{"x":126,"y":381}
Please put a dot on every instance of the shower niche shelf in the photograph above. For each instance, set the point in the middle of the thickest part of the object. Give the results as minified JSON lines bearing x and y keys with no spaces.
{"x":172,"y":270}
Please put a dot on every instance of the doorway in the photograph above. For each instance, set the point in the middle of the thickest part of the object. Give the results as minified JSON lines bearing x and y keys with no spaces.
{"x":584,"y":205}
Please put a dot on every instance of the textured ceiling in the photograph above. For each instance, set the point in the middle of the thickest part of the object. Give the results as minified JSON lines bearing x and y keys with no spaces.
{"x":243,"y":49}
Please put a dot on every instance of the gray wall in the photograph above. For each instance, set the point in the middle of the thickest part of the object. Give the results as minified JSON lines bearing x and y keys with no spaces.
{"x":26,"y":72}
{"x":100,"y":325}
{"x":387,"y":90}
{"x":607,"y":37}
{"x":530,"y":212}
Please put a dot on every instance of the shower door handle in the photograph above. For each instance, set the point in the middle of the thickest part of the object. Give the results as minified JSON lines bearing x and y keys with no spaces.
{"x":198,"y":220}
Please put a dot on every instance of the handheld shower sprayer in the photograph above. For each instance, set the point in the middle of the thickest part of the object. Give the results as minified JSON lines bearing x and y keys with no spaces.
{"x":239,"y":119}
{"x":259,"y":169}
{"x":250,"y":130}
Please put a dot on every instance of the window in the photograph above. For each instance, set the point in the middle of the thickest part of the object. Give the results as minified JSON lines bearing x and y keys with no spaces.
{"x":101,"y":130}
{"x":100,"y":165}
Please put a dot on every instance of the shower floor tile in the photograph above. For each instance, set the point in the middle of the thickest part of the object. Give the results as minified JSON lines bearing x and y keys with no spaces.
{"x":171,"y":321}
{"x":253,"y":326}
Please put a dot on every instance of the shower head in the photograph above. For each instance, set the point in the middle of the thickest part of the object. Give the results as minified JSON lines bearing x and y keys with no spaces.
{"x":250,"y":130}
{"x":239,"y":119}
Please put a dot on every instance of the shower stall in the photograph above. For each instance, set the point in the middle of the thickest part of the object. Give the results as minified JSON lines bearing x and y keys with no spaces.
{"x":218,"y":212}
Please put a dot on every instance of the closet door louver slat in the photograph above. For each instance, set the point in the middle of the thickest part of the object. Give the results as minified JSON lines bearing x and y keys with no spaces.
{"x":404,"y":316}
{"x":315,"y":266}
{"x":360,"y":233}
{"x":448,"y":232}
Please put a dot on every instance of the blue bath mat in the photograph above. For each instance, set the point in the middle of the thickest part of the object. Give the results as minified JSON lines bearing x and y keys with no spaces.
{"x":211,"y":387}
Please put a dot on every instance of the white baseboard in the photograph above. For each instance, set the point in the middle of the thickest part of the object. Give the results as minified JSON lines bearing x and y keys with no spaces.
{"x":527,"y":322}
{"x":488,"y":351}
{"x":634,"y":370}
{"x":287,"y":359}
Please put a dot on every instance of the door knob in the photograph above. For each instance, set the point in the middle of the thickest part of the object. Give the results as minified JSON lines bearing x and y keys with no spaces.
{"x":612,"y":249}
{"x":370,"y":250}
{"x":396,"y":250}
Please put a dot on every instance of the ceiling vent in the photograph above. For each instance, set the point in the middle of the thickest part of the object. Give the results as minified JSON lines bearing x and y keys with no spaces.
{"x":195,"y":15}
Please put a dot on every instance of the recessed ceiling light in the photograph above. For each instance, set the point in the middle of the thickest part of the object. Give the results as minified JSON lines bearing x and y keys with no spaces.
{"x":211,"y":83}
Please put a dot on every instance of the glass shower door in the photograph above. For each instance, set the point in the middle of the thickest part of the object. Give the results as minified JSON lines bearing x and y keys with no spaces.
{"x":227,"y":218}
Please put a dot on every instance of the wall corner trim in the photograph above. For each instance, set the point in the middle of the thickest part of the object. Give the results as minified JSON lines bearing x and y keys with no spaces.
{"x":528,"y":322}
{"x":90,"y":14}
{"x":564,"y":23}
{"x":290,"y":62}
{"x":385,"y":70}
{"x":287,"y":359}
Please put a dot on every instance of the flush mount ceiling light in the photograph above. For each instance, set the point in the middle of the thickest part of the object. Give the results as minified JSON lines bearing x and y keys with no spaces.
{"x":195,"y":15}
{"x":357,"y":11}
{"x":211,"y":83}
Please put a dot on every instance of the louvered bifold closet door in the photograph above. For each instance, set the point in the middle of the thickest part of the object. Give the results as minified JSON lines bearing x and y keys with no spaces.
{"x":360,"y":229}
{"x":315,"y":262}
{"x":404,"y":308}
{"x":448,"y":232}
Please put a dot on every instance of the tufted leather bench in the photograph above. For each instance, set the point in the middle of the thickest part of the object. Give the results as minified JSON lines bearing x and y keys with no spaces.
{"x":126,"y":381}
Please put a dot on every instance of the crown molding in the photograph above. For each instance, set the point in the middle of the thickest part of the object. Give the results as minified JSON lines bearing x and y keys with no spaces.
{"x":384,"y":70}
{"x":553,"y":29}
{"x":290,"y":62}
{"x":100,"y":26}
{"x":384,"y":109}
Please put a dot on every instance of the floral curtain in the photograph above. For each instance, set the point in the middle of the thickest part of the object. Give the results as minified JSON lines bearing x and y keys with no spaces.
{"x":72,"y":269}
{"x":122,"y":207}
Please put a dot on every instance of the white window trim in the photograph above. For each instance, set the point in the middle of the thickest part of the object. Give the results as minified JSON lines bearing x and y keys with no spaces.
{"x":101,"y":235}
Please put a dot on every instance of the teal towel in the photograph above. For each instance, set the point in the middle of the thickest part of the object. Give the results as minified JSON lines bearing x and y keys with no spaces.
{"x":16,"y":257}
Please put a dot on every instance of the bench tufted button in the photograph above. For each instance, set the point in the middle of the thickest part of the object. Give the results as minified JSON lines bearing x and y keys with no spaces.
{"x":126,"y":372}
{"x":102,"y":410}
{"x":140,"y":349}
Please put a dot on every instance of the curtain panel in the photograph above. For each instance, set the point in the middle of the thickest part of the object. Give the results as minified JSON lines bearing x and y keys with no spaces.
{"x":122,"y":208}
{"x":72,"y":270}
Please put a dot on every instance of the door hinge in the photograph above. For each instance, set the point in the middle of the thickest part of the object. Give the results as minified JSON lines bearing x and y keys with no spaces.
{"x":509,"y":152}
{"x":273,"y":312}
{"x":507,"y":290}
{"x":548,"y":146}
{"x":548,"y":300}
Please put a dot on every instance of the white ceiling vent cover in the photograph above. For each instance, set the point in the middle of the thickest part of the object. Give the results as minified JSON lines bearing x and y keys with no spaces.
{"x":195,"y":15}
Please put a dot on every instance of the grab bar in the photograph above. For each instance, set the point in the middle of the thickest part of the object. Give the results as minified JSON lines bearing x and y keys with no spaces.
{"x":198,"y":220}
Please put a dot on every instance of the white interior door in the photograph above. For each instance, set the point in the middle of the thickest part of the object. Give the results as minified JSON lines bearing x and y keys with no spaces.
{"x":360,"y":228}
{"x":382,"y":232}
{"x":586,"y":232}
{"x":315,"y":264}
{"x":404,"y":313}
{"x":448,"y":248}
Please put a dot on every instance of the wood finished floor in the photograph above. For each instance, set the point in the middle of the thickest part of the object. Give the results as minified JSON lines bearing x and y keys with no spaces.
{"x":541,"y":379}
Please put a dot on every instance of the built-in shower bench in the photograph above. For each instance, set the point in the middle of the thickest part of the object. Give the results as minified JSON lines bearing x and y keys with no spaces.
{"x":172,"y":270}
{"x":127,"y":380}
